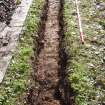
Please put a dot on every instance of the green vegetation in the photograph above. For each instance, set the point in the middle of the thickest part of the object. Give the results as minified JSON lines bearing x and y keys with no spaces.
{"x":18,"y":2}
{"x":17,"y":78}
{"x":86,"y":63}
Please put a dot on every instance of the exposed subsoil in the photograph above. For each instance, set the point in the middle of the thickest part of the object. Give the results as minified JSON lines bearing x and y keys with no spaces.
{"x":6,"y":10}
{"x":52,"y":86}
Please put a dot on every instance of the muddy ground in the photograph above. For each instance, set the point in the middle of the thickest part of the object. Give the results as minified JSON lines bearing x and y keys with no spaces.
{"x":52,"y":86}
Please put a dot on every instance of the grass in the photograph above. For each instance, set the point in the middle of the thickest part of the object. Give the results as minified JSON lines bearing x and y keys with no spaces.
{"x":86,"y":63}
{"x":17,"y":78}
{"x":18,"y":2}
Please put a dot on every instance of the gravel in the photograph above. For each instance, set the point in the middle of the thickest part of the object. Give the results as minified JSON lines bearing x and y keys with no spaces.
{"x":6,"y":10}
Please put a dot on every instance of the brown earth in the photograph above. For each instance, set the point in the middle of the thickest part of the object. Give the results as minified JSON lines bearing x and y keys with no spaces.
{"x":52,"y":86}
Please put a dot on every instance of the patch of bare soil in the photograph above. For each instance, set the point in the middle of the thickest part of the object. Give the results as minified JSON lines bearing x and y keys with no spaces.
{"x":52,"y":86}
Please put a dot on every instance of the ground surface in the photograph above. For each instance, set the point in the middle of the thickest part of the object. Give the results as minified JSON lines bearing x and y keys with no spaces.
{"x":86,"y":62}
{"x":47,"y":67}
{"x":15,"y":82}
{"x":57,"y":53}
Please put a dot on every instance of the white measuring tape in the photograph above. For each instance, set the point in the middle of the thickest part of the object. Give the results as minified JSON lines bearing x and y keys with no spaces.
{"x":79,"y":22}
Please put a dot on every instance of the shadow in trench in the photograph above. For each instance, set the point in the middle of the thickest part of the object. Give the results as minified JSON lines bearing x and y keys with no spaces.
{"x":64,"y":92}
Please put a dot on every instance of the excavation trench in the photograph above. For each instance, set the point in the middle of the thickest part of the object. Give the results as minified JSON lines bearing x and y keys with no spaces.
{"x":52,"y":86}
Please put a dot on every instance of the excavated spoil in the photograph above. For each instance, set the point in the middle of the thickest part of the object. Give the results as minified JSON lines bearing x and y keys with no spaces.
{"x":52,"y":86}
{"x":6,"y":10}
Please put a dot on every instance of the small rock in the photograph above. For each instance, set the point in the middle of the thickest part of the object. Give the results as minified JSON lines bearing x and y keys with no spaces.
{"x":97,"y":52}
{"x":102,"y":49}
{"x":94,"y":47}
{"x":98,"y":27}
{"x":94,"y":38}
{"x":90,"y":65}
{"x":87,"y":45}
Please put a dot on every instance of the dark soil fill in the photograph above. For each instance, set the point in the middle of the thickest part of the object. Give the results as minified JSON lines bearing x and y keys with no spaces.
{"x":6,"y":10}
{"x":52,"y":86}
